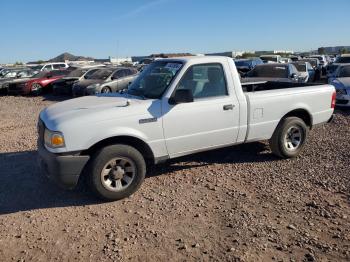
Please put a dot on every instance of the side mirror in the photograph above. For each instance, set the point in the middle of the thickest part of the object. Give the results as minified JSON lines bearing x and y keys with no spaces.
{"x":48,"y":76}
{"x":181,"y":96}
{"x":294,"y":76}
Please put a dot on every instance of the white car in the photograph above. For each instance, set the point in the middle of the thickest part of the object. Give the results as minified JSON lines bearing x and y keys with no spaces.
{"x":341,"y":82}
{"x":340,"y":60}
{"x":306,"y":71}
{"x":271,"y":58}
{"x":175,"y":107}
{"x":322,"y":59}
{"x":50,"y":66}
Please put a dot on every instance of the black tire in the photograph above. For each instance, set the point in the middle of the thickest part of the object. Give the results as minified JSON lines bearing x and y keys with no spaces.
{"x":38,"y":91}
{"x":279,"y":141}
{"x":106,"y":90}
{"x":98,"y":163}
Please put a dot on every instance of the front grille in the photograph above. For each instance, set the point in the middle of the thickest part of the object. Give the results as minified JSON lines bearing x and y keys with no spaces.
{"x":41,"y":130}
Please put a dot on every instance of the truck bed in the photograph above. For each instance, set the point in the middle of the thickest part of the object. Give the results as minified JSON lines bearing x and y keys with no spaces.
{"x":271,"y":85}
{"x":265,"y":109}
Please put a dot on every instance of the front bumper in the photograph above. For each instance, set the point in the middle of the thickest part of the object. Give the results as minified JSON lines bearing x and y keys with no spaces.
{"x":63,"y":169}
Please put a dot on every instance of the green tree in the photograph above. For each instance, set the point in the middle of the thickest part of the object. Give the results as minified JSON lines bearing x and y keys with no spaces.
{"x":344,"y":51}
{"x":321,"y":51}
{"x":247,"y":55}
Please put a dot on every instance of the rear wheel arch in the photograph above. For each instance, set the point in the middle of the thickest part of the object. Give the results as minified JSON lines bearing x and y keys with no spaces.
{"x":301,"y":113}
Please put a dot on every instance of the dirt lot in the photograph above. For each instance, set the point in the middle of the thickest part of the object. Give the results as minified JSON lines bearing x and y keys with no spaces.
{"x":235,"y":204}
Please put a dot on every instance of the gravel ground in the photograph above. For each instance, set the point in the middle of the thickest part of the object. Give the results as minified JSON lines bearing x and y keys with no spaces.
{"x":234,"y":204}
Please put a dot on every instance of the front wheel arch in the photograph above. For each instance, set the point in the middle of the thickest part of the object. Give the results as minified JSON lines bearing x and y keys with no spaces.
{"x":135,"y":142}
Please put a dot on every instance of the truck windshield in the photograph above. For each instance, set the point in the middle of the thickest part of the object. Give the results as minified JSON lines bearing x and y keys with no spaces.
{"x":155,"y":79}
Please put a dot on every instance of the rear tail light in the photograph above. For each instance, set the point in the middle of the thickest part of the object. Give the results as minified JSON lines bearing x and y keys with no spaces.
{"x":333,"y":99}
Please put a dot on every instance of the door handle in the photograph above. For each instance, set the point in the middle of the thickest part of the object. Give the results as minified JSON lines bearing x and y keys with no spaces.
{"x":228,"y":107}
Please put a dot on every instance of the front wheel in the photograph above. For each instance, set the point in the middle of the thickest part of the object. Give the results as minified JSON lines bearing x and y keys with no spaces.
{"x":289,"y":137}
{"x":116,"y":172}
{"x":36,"y":89}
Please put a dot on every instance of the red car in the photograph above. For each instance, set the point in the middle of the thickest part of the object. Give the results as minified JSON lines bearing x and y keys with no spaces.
{"x":37,"y":84}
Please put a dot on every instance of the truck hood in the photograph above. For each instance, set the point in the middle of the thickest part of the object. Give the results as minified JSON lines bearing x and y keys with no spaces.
{"x":89,"y":110}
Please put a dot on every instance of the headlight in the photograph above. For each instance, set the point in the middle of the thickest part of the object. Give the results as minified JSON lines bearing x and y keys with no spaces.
{"x":341,"y":91}
{"x":53,"y":139}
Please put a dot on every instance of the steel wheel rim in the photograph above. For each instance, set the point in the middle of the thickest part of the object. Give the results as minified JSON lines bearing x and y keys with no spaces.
{"x":105,"y":90}
{"x":293,"y":138}
{"x":118,"y":174}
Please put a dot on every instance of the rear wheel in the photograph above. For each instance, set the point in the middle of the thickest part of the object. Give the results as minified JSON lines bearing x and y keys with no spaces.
{"x":116,"y":171}
{"x":106,"y":90}
{"x":289,"y":137}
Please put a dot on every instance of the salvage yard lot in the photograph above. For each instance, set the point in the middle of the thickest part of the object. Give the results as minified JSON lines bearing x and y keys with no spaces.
{"x":239,"y":203}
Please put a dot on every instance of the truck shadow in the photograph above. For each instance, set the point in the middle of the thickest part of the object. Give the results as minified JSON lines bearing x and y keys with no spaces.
{"x":23,"y":187}
{"x":244,"y":153}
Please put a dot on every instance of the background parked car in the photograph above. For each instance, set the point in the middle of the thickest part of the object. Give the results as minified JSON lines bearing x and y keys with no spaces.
{"x":323,"y":63}
{"x":5,"y":71}
{"x":64,"y":85}
{"x":273,"y":72}
{"x":315,"y":63}
{"x":245,"y":65}
{"x":50,"y":66}
{"x":105,"y":81}
{"x":340,"y":60}
{"x":271,"y":58}
{"x":286,"y":60}
{"x":37,"y":84}
{"x":341,"y":82}
{"x":306,"y":71}
{"x":15,"y":74}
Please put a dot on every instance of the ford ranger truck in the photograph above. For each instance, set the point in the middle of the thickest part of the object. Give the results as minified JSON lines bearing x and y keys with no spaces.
{"x":175,"y":107}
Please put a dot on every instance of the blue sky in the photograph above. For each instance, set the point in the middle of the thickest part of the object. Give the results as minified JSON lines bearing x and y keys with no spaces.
{"x":37,"y":29}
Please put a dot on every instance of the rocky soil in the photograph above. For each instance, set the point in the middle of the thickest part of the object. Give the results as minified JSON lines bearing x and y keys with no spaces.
{"x":235,"y":204}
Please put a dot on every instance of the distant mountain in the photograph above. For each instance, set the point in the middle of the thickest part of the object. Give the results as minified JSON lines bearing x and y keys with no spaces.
{"x":67,"y":56}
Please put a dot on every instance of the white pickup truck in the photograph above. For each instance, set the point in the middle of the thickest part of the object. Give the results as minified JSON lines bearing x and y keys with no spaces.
{"x":175,"y":107}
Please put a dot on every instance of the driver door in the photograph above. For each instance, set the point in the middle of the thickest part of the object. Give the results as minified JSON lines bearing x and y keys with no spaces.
{"x":210,"y":121}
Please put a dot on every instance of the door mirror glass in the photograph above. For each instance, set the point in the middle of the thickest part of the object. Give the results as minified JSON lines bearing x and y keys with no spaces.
{"x":181,"y":96}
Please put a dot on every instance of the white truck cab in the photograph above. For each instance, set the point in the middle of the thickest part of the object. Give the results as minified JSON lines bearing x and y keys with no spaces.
{"x":175,"y":107}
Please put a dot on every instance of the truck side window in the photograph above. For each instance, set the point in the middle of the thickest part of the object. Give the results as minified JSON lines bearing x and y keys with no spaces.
{"x":205,"y":80}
